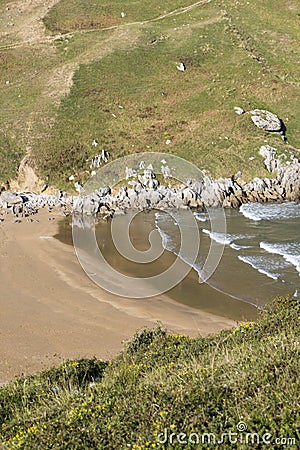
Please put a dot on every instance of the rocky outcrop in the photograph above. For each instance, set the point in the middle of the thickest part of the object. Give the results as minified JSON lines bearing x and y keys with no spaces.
{"x":269,"y":153}
{"x":145,"y":192}
{"x":289,"y":179}
{"x":264,"y":120}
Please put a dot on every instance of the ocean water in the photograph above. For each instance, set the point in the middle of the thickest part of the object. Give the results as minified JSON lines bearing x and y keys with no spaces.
{"x":257,"y":249}
{"x":261,"y":243}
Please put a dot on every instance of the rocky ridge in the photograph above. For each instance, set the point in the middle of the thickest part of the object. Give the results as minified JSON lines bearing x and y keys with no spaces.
{"x":145,"y":192}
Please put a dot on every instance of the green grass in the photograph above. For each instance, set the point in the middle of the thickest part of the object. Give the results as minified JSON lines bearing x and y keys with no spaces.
{"x":236,"y":54}
{"x":167,"y":382}
{"x":11,"y":155}
{"x":72,"y":15}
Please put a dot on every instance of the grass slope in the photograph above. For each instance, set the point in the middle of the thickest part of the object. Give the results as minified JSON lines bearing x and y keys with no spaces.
{"x":236,"y":54}
{"x":161,"y":382}
{"x":10,"y":157}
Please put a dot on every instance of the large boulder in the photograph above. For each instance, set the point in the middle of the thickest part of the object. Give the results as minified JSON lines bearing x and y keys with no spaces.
{"x":11,"y":198}
{"x":266,"y":120}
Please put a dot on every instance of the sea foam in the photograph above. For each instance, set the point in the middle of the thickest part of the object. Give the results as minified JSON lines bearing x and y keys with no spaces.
{"x":225,"y":238}
{"x":257,"y":263}
{"x":270,"y":211}
{"x":289,"y":251}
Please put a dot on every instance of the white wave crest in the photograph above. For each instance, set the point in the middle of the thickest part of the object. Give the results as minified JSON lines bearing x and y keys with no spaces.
{"x":225,"y":239}
{"x":270,"y":211}
{"x":290,"y":252}
{"x":256,"y":263}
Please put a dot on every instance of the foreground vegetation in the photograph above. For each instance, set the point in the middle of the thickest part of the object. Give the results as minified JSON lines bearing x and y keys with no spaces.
{"x":247,"y":377}
{"x":128,"y":94}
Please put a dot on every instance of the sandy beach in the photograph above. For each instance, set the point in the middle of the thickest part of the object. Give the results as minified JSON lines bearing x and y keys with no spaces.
{"x":51,"y":310}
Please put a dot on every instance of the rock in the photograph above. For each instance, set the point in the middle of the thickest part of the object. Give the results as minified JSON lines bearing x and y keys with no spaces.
{"x":166,"y":172}
{"x":96,"y":162}
{"x":78,"y":187}
{"x":269,"y":153}
{"x":130,"y":173}
{"x":239,"y":110}
{"x":234,"y":201}
{"x":104,"y":156}
{"x":189,"y":196}
{"x":148,"y":179}
{"x":98,"y":159}
{"x":11,"y":198}
{"x":181,"y":67}
{"x":266,"y":120}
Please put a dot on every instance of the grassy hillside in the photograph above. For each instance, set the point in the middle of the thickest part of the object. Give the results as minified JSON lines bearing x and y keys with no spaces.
{"x":10,"y":156}
{"x":236,"y":54}
{"x":160,"y":382}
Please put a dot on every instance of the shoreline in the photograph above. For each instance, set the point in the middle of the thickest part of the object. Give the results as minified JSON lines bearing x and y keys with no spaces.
{"x":52,"y":311}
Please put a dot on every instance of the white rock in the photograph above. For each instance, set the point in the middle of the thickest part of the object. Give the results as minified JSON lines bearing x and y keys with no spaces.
{"x":181,"y":67}
{"x":265,"y":120}
{"x":78,"y":187}
{"x":239,"y":110}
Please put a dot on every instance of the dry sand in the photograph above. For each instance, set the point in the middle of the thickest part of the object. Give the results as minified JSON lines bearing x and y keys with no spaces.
{"x":50,"y":309}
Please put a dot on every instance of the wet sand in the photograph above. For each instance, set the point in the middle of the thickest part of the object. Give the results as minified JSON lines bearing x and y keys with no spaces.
{"x":51,"y":310}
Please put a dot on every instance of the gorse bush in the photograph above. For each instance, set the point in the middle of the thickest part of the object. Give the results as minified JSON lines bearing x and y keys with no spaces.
{"x":144,"y":338}
{"x":164,"y":389}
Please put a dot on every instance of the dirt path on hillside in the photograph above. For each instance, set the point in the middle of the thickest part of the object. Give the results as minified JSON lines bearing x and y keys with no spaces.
{"x":22,"y":26}
{"x":22,"y":22}
{"x":30,"y":30}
